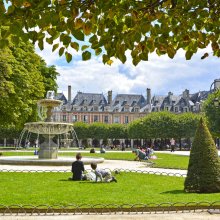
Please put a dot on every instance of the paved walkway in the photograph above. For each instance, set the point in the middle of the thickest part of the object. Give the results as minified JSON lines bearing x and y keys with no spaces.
{"x":166,"y":216}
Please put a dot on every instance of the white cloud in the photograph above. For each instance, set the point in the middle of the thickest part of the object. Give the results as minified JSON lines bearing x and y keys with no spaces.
{"x":161,"y":74}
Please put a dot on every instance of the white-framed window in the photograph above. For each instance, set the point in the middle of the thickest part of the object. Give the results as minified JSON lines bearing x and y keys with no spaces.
{"x":126,"y":119}
{"x":136,"y":109}
{"x":64,"y":117}
{"x":106,"y":118}
{"x":96,"y":118}
{"x":116,"y":119}
{"x":85,"y":118}
{"x":74,"y":118}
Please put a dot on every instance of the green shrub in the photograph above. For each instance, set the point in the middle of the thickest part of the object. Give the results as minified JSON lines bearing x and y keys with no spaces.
{"x":204,"y":164}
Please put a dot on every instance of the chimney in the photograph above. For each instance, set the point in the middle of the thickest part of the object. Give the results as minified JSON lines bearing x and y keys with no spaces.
{"x":69,"y":94}
{"x":109,"y":97}
{"x":148,"y":95}
{"x":186,"y":94}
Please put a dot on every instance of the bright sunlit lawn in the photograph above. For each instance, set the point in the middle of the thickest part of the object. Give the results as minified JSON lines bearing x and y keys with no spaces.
{"x":163,"y":160}
{"x":131,"y":188}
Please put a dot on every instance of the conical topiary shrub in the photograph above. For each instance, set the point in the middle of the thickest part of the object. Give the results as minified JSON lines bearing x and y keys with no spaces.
{"x":203,"y":174}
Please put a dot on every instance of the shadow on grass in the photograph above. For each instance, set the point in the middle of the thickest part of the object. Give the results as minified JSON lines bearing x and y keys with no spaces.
{"x":89,"y":182}
{"x":174,"y":192}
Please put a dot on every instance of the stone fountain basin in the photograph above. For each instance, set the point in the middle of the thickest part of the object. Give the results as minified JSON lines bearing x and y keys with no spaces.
{"x":34,"y":161}
{"x":49,"y":102}
{"x":51,"y":128}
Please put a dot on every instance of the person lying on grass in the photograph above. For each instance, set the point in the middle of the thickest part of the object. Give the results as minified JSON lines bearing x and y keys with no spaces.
{"x":103,"y":175}
{"x":140,"y":155}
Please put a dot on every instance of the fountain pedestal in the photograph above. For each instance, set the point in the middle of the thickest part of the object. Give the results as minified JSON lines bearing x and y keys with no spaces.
{"x":48,"y":149}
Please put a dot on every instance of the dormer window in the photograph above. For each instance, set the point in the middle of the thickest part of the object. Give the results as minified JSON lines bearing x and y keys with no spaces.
{"x":185,"y":109}
{"x":95,"y":108}
{"x":136,"y":109}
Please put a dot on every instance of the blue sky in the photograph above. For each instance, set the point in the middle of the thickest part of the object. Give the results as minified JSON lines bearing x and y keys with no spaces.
{"x":161,"y":74}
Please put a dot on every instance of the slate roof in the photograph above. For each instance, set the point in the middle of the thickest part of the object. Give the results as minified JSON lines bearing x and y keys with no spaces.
{"x":128,"y":102}
{"x":89,"y":99}
{"x":61,"y":96}
{"x":121,"y":101}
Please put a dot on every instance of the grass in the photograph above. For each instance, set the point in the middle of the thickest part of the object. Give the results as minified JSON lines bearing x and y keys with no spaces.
{"x":54,"y":188}
{"x":163,"y":160}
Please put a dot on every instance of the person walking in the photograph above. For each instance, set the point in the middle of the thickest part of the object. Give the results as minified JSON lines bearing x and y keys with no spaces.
{"x":172,"y":144}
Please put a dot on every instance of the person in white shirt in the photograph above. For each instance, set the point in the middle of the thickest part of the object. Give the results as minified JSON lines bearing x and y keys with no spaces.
{"x":103,"y":175}
{"x":172,"y":144}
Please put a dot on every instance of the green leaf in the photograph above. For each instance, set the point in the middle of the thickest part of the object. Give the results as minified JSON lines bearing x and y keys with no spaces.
{"x":105,"y":58}
{"x":84,"y":47}
{"x":188,"y":54}
{"x":122,"y":57}
{"x":74,"y":45}
{"x":109,"y":62}
{"x":15,"y":39}
{"x":98,"y":51}
{"x":145,"y":28}
{"x":93,"y":38}
{"x":87,"y":28}
{"x":68,"y":57}
{"x":136,"y":60}
{"x":61,"y":51}
{"x":55,"y":46}
{"x":4,"y":43}
{"x":144,"y":56}
{"x":86,"y":55}
{"x":41,"y":44}
{"x":78,"y":35}
{"x":171,"y":52}
{"x":11,"y":9}
{"x":66,"y":40}
{"x":49,"y":40}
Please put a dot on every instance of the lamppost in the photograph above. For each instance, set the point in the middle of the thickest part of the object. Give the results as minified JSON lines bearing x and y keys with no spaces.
{"x":216,"y":100}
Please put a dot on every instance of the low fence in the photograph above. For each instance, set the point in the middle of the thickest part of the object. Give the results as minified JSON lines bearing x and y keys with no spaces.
{"x":73,"y":209}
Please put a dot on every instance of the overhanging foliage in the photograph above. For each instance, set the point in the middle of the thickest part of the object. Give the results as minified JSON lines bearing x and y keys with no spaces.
{"x":111,"y":28}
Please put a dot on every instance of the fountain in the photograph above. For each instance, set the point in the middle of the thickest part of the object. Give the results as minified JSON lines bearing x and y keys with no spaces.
{"x":48,"y":149}
{"x":48,"y":129}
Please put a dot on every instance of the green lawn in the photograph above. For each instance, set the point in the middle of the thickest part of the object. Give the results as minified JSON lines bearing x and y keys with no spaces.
{"x":132,"y":188}
{"x":163,"y":160}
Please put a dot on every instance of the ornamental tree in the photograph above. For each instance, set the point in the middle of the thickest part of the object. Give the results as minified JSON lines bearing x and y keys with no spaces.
{"x":24,"y":79}
{"x":213,"y":113}
{"x":111,"y":28}
{"x":204,"y":164}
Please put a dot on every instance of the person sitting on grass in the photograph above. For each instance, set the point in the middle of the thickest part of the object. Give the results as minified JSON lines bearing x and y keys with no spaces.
{"x":103,"y":175}
{"x":140,"y":155}
{"x":77,"y":168}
